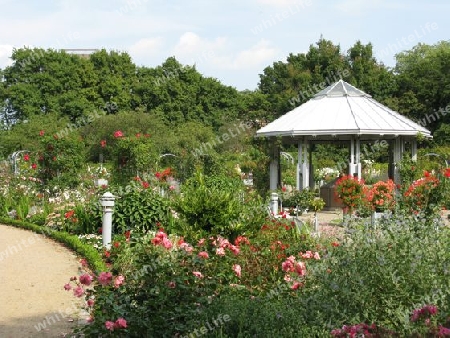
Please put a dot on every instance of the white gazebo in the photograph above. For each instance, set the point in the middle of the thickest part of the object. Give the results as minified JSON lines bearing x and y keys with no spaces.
{"x":342,"y":113}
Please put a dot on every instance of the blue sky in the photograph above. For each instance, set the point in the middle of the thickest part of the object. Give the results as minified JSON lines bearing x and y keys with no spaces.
{"x":230,"y":40}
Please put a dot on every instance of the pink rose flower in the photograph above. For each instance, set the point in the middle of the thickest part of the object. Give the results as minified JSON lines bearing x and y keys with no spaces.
{"x":234,"y":249}
{"x":109,"y":325}
{"x":118,"y":281}
{"x":78,"y":291}
{"x":67,"y":287}
{"x":186,"y":247}
{"x":105,"y":278}
{"x":197,"y":274}
{"x":203,"y":254}
{"x":90,"y":302}
{"x":201,"y":242}
{"x":296,"y":285}
{"x":220,"y":251}
{"x":118,"y":133}
{"x":316,"y":255}
{"x":300,"y":268}
{"x":172,"y":285}
{"x":307,"y":255}
{"x":223,"y":242}
{"x":237,"y":270}
{"x":287,"y":266}
{"x":86,"y":279}
{"x":121,"y":323}
{"x":166,"y":243}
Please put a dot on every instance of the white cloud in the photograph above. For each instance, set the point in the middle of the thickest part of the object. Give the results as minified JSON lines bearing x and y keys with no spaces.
{"x":5,"y":55}
{"x":145,"y":48}
{"x":191,"y":48}
{"x":280,"y":3}
{"x":357,"y":7}
{"x":253,"y":57}
{"x":218,"y":53}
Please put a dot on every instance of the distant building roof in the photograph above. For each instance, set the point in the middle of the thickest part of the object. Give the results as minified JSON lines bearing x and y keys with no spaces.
{"x":82,"y":52}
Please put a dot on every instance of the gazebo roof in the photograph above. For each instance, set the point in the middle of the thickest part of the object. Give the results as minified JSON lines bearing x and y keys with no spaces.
{"x":340,"y":111}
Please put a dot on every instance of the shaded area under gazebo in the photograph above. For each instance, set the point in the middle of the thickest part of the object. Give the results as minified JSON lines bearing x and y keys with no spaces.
{"x":344,"y":114}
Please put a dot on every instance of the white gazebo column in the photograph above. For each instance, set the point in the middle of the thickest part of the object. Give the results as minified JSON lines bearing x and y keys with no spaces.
{"x":311,"y":182}
{"x":399,"y":146}
{"x":302,"y":165}
{"x":273,"y":168}
{"x":414,"y":150}
{"x":358,"y":158}
{"x":299,"y":165}
{"x":351,"y":169}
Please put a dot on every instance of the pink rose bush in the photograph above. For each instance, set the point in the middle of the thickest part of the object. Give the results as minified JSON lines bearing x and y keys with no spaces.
{"x":84,"y":286}
{"x":120,"y":323}
{"x":200,"y":273}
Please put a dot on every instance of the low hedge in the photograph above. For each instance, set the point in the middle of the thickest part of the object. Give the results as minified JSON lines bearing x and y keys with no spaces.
{"x":91,"y":254}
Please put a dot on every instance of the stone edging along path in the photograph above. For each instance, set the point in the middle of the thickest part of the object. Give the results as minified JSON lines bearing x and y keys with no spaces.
{"x":33,"y":271}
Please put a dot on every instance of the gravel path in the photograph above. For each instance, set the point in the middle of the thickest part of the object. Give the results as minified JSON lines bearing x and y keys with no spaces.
{"x":33,"y":271}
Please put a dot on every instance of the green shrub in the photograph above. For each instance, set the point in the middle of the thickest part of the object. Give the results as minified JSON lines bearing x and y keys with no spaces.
{"x":211,"y":205}
{"x":381,"y":275}
{"x":139,"y":208}
{"x":299,"y":198}
{"x":163,"y":297}
{"x":60,"y":160}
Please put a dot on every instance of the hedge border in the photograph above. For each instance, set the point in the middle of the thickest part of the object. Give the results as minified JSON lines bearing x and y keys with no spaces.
{"x":92,"y":256}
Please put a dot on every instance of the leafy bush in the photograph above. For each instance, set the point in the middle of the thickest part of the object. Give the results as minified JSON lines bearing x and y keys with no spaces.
{"x":139,"y":207}
{"x":211,"y":205}
{"x":403,"y":262}
{"x":170,"y":286}
{"x":133,"y":156}
{"x":299,"y":198}
{"x":60,"y":160}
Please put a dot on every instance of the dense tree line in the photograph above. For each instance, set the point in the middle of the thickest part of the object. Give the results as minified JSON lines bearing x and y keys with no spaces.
{"x":184,"y":110}
{"x":43,"y":81}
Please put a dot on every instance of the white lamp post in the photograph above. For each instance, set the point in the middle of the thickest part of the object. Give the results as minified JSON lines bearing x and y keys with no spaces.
{"x":107,"y":202}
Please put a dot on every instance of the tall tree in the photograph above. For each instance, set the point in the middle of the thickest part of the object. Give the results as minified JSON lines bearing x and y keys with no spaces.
{"x":42,"y":81}
{"x":291,"y":83}
{"x":369,"y":75}
{"x":423,"y":75}
{"x":180,"y":93}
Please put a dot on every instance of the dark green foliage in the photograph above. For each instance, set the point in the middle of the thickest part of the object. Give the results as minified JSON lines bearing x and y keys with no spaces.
{"x":403,"y":262}
{"x":60,"y":160}
{"x":211,"y":204}
{"x":299,"y":198}
{"x":140,"y":209}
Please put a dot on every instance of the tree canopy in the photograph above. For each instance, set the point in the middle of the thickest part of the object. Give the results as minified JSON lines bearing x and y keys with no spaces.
{"x":189,"y":115}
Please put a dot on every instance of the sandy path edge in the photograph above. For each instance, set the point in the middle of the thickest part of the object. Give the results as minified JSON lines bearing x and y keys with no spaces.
{"x":33,"y":271}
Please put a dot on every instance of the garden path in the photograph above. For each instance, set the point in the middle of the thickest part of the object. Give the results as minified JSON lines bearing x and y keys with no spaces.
{"x":33,"y":271}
